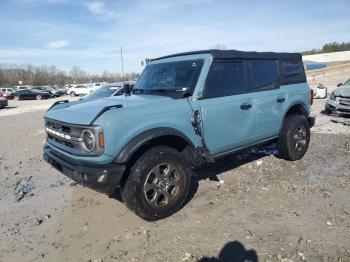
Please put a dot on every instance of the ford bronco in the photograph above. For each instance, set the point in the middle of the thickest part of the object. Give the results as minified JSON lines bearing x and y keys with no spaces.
{"x":185,"y":109}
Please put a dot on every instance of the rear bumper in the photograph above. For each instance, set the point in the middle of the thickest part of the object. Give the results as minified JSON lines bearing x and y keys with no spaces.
{"x":102,"y":178}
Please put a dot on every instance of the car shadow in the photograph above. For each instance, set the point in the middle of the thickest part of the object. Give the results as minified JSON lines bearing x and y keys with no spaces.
{"x":212,"y":170}
{"x":233,"y":251}
{"x":10,"y":107}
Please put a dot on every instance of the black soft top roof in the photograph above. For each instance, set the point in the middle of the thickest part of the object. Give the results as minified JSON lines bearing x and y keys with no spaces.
{"x":234,"y":54}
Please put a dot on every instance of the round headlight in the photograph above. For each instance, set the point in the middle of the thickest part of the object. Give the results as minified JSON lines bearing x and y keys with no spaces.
{"x":88,"y":140}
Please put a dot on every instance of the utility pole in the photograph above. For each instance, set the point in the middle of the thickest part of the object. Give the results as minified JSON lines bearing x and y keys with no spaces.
{"x":121,"y":57}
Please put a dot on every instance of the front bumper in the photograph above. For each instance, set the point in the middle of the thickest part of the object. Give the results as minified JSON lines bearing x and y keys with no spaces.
{"x":336,"y":108}
{"x":102,"y":178}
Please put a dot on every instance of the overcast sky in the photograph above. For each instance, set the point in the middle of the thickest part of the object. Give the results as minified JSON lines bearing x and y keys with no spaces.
{"x":89,"y":33}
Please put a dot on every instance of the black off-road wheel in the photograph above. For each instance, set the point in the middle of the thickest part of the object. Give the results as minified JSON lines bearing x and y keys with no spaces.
{"x":158,"y":183}
{"x":294,"y":137}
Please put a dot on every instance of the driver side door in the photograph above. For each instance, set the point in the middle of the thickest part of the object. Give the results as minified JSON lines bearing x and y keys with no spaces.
{"x":227,"y":109}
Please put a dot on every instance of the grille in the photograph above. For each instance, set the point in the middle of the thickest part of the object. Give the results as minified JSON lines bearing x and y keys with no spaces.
{"x":344,"y":101}
{"x":64,"y":136}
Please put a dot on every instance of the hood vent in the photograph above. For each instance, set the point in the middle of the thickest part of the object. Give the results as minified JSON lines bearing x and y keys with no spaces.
{"x":103,"y":110}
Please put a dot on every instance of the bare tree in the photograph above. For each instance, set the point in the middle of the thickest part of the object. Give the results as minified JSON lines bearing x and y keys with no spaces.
{"x":11,"y":74}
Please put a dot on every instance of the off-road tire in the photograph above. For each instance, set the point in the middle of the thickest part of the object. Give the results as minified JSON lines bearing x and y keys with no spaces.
{"x":72,"y":94}
{"x":133,"y":192}
{"x":292,"y":125}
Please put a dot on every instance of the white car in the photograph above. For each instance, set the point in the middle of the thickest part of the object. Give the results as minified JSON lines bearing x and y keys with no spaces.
{"x":22,"y":87}
{"x":79,"y":90}
{"x":6,"y":90}
{"x":95,"y":86}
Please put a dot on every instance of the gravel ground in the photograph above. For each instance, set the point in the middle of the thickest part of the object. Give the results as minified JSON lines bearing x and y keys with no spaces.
{"x":249,"y":206}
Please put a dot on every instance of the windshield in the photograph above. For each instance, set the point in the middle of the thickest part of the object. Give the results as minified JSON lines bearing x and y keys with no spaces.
{"x":347,"y":83}
{"x":103,"y":91}
{"x":171,"y":76}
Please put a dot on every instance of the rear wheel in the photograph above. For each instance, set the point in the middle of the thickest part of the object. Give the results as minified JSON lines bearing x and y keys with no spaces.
{"x":72,"y":94}
{"x":294,"y":137}
{"x":158,"y":183}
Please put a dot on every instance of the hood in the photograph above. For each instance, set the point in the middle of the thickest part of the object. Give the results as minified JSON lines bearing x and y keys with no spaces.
{"x":343,"y":91}
{"x":83,"y":113}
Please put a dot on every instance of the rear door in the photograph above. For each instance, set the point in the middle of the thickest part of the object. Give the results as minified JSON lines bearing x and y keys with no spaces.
{"x":267,"y":96}
{"x":227,"y":110}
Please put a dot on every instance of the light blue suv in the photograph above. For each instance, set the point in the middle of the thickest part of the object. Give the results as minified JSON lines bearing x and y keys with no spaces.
{"x":185,"y":109}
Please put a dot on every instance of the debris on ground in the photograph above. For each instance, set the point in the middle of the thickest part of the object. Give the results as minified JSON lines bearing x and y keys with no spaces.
{"x":23,"y":188}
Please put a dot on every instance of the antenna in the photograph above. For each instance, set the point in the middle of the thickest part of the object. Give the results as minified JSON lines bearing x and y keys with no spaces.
{"x":121,"y":57}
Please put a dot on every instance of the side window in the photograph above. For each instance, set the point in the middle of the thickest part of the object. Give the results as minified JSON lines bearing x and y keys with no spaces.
{"x":225,"y":79}
{"x":291,"y":69}
{"x":264,"y":75}
{"x":292,"y":72}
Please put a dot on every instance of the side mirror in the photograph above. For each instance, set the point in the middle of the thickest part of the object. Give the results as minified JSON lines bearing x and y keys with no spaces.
{"x":340,"y":84}
{"x":127,"y":89}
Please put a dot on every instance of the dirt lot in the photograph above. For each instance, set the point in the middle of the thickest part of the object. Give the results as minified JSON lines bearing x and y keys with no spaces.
{"x":253,"y":205}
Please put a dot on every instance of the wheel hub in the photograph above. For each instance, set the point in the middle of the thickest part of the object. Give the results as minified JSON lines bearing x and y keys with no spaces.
{"x":162,"y":184}
{"x":299,"y":138}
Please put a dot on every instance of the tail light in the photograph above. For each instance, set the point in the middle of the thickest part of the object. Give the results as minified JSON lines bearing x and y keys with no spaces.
{"x":311,"y":96}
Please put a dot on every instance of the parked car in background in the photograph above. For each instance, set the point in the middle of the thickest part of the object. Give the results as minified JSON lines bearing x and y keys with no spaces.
{"x":6,"y":95}
{"x":3,"y":102}
{"x":105,"y":91}
{"x":7,"y":90}
{"x":95,"y":86}
{"x":346,"y":83}
{"x":61,"y":90}
{"x":339,"y":100}
{"x":109,"y":90}
{"x":49,"y":89}
{"x":22,"y":87}
{"x":30,"y":94}
{"x":79,"y":90}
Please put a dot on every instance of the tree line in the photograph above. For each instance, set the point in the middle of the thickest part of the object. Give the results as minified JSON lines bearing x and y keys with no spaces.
{"x":329,"y":48}
{"x":13,"y":74}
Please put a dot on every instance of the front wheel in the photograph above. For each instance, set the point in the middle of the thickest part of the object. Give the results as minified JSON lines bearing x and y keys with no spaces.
{"x":72,"y":94}
{"x":294,"y":137}
{"x":17,"y":98}
{"x":38,"y":97}
{"x":158,"y":183}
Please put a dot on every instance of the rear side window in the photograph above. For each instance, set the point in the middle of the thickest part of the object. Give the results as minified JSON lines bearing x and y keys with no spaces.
{"x":291,"y":69}
{"x":264,"y":75}
{"x":292,"y":72}
{"x":225,"y":79}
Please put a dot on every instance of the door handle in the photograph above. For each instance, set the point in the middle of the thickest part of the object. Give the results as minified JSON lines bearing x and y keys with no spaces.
{"x":281,"y":99}
{"x":246,"y":106}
